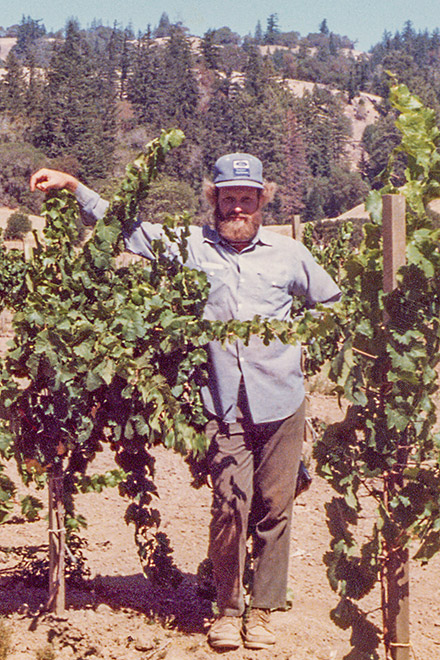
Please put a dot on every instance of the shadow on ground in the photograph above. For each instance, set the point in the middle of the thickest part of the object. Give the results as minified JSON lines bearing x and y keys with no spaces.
{"x":178,"y":607}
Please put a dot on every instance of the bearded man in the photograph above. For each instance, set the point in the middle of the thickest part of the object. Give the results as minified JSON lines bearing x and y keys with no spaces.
{"x":254,"y":398}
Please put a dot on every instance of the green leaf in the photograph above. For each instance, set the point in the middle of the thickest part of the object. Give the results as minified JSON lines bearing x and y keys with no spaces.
{"x":93,"y":381}
{"x":373,"y":205}
{"x":396,"y":419}
{"x":31,"y":507}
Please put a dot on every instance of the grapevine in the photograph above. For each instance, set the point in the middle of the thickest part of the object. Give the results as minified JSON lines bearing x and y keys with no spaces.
{"x":387,"y":449}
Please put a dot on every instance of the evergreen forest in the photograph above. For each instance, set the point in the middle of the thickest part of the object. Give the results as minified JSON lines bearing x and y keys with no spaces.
{"x":87,"y":100}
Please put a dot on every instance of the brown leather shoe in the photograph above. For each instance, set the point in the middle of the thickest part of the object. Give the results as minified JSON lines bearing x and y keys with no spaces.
{"x":225,"y":633}
{"x":257,"y":632}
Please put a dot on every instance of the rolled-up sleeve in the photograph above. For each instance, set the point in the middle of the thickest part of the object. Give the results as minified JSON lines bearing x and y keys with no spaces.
{"x":93,"y":207}
{"x":139,"y":241}
{"x":321,"y":288}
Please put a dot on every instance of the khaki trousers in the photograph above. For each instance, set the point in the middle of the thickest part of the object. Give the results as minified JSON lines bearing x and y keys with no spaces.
{"x":253,"y":469}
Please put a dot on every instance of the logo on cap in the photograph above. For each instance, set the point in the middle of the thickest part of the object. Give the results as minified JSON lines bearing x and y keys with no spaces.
{"x":238,"y":169}
{"x":241,"y":168}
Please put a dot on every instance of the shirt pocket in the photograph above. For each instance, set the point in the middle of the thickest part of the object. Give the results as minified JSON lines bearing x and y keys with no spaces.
{"x":271,"y":292}
{"x":275,"y":279}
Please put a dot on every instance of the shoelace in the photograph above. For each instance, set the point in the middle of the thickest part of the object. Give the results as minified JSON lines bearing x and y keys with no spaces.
{"x":258,"y":615}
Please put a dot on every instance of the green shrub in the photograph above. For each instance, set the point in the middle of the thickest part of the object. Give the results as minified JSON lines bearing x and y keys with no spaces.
{"x":17,"y":226}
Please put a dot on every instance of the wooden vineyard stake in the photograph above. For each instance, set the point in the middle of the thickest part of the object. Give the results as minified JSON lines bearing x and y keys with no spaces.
{"x":297,"y":227}
{"x":394,"y":239}
{"x":396,"y":615}
{"x":57,"y":541}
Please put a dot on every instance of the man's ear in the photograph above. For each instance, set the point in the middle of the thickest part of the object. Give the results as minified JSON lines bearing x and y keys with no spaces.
{"x":210,"y":192}
{"x":268,"y":193}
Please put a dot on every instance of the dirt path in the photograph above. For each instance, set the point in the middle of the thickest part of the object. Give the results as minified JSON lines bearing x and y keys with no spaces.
{"x":121,"y":616}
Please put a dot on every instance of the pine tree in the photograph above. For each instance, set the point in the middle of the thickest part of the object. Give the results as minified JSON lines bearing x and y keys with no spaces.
{"x":351,"y":86}
{"x":210,"y":50}
{"x":28,"y":33}
{"x":257,"y":72}
{"x":296,"y":173}
{"x":106,"y":85}
{"x":180,"y":90}
{"x":378,"y":140}
{"x":332,"y":45}
{"x":143,"y":89}
{"x":34,"y":99}
{"x":323,"y":28}
{"x":272,"y":30}
{"x":408,"y":34}
{"x":315,"y":199}
{"x":13,"y":86}
{"x":435,"y":39}
{"x":218,"y":124}
{"x":164,"y":27}
{"x":258,"y":35}
{"x":80,"y":106}
{"x":124,"y":65}
{"x":325,"y":130}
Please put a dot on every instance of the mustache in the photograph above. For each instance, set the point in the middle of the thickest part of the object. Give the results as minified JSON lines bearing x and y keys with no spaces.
{"x":232,"y":215}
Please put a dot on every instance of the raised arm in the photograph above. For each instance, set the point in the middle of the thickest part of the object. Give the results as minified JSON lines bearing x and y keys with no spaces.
{"x":94,"y":207}
{"x":47,"y":179}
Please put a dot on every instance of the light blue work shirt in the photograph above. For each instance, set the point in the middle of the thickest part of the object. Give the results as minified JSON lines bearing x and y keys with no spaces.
{"x":262,"y":279}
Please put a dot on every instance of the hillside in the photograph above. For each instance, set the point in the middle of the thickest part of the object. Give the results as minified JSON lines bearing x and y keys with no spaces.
{"x":88,"y":100}
{"x":6,"y":43}
{"x":362,"y":111}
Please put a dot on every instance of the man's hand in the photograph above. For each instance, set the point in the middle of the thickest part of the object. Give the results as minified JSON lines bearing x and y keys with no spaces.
{"x":46,"y":179}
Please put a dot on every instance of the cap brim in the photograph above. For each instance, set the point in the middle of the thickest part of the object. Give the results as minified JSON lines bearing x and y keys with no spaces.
{"x":246,"y":183}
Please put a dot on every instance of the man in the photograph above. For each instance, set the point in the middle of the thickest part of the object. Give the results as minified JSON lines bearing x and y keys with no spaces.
{"x":254,"y":398}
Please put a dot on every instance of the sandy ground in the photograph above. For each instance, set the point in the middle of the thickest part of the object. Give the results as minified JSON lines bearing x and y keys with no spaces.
{"x":119,"y":615}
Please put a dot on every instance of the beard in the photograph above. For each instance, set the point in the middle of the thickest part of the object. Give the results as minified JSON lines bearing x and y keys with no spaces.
{"x":241,"y":228}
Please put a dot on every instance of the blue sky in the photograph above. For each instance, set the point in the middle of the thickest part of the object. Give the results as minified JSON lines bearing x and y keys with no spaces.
{"x":363,"y":21}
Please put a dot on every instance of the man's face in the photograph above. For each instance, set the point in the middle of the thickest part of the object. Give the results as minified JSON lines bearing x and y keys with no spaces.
{"x":237,"y":216}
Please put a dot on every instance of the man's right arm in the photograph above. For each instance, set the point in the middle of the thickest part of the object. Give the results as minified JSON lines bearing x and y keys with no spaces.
{"x":93,"y":207}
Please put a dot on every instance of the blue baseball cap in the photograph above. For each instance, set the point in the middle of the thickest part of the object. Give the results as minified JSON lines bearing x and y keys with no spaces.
{"x":238,"y":170}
